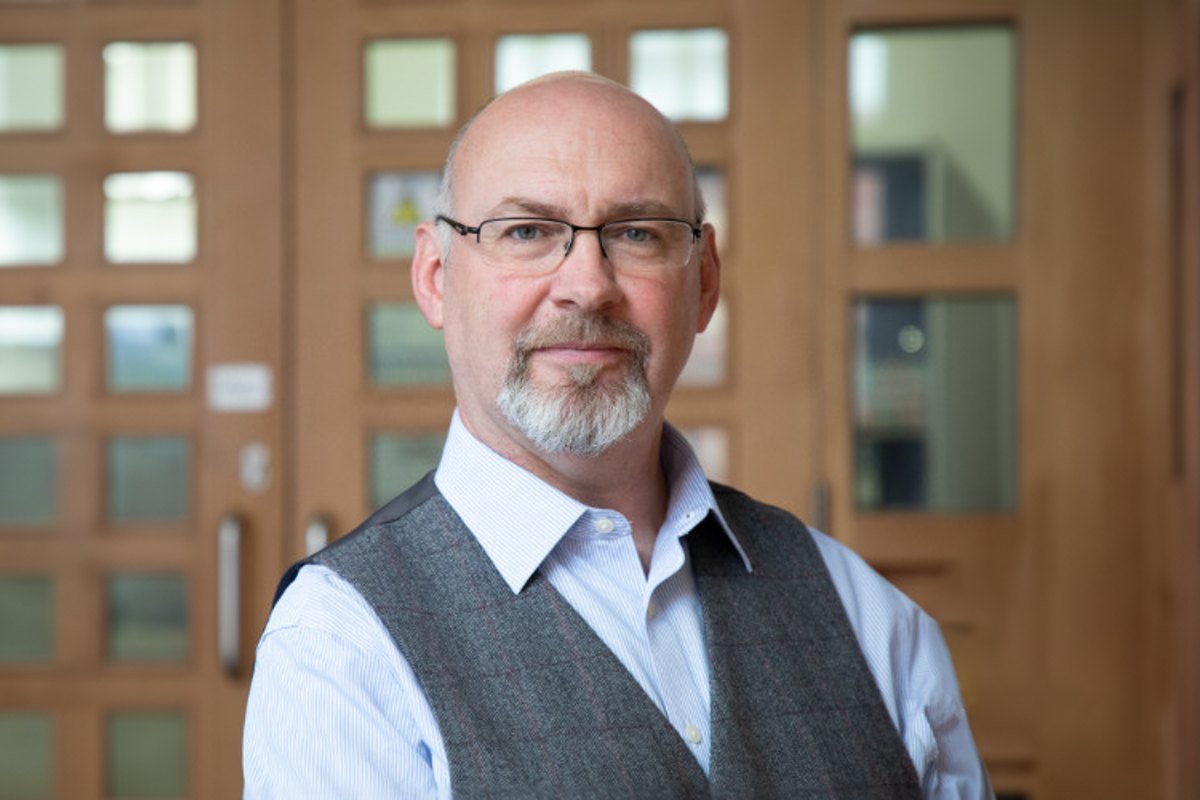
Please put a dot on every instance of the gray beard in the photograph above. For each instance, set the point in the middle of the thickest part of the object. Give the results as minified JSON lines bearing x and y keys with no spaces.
{"x":585,"y":416}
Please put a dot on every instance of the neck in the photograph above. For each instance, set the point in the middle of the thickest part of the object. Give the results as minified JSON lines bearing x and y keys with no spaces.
{"x":628,"y":477}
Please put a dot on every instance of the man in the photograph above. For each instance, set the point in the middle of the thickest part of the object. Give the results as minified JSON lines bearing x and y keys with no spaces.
{"x":567,"y":608}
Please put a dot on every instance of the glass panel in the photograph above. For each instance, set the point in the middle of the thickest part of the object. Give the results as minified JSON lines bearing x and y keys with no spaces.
{"x":935,"y":404}
{"x":712,"y":188}
{"x":149,"y":86}
{"x":149,"y":218}
{"x":147,"y":618}
{"x":404,"y":350}
{"x":148,"y":478}
{"x":149,"y":348}
{"x":26,"y":618}
{"x":398,"y":460}
{"x":28,"y":480}
{"x":30,"y":349}
{"x":399,"y":202}
{"x":147,"y":755}
{"x":706,"y":364}
{"x":933,"y":133}
{"x":26,"y":756}
{"x":31,"y":87}
{"x":31,"y":216}
{"x":685,"y":73}
{"x":522,"y":57}
{"x":711,"y":444}
{"x":409,"y":83}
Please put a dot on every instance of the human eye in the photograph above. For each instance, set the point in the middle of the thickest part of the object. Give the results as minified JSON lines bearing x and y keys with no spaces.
{"x":527,"y":231}
{"x":635,"y":233}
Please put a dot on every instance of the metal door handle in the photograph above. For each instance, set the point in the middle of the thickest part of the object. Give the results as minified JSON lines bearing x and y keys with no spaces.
{"x":229,"y":585}
{"x":316,"y":534}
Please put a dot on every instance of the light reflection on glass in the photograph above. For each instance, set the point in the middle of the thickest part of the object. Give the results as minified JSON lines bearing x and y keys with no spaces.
{"x":404,"y":349}
{"x":31,"y":219}
{"x":30,"y":349}
{"x":409,"y":83}
{"x":148,"y":478}
{"x":149,"y":348}
{"x":26,"y":755}
{"x":149,"y":87}
{"x":706,"y":365}
{"x":146,"y":755}
{"x":523,"y":57}
{"x":147,"y":618}
{"x":398,"y":460}
{"x":933,"y":133}
{"x":31,"y":87}
{"x":28,"y":480}
{"x":684,"y":73}
{"x":711,"y":445}
{"x":149,"y":217}
{"x":399,"y":202}
{"x":935,"y":404}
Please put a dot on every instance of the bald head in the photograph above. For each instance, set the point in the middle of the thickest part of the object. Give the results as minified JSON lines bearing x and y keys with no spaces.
{"x":571,"y":105}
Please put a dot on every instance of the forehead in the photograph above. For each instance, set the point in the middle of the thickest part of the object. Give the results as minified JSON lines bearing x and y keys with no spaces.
{"x":578,"y":147}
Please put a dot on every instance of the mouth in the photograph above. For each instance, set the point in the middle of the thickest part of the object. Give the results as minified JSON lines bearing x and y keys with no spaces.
{"x":583,"y":352}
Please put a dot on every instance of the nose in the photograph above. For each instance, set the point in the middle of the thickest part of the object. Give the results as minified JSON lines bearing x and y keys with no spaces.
{"x":586,"y":279}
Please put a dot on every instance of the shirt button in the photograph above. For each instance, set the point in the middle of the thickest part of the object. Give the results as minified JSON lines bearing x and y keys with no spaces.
{"x":651,"y":610}
{"x":604,"y":525}
{"x":692,"y":733}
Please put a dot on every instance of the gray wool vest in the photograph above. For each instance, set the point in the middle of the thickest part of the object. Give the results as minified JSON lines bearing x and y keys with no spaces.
{"x":532,"y":704}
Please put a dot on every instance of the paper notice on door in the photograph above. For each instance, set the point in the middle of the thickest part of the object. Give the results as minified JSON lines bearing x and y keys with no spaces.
{"x":240,"y":388}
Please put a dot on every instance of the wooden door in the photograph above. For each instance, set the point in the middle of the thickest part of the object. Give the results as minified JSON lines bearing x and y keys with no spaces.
{"x":311,"y":390}
{"x":140,"y":179}
{"x":1041,"y":568}
{"x":1035,"y":536}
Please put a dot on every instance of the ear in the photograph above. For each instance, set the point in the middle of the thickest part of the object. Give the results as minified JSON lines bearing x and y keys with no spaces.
{"x":710,"y":278}
{"x":428,"y":274}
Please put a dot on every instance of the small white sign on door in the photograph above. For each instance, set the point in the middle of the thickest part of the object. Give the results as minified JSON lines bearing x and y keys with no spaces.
{"x":240,"y":388}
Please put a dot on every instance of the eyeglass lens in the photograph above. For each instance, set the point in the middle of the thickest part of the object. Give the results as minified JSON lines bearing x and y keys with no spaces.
{"x":628,"y":244}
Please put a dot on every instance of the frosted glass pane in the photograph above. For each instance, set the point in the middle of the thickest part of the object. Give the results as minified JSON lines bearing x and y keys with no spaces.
{"x":711,"y":444}
{"x":935,"y":404}
{"x":149,"y":217}
{"x":409,"y":83}
{"x":31,"y":87}
{"x":404,"y":350}
{"x":684,"y":73}
{"x":148,"y":478}
{"x":399,"y":202}
{"x":31,"y":220}
{"x":26,"y":618}
{"x":706,"y":365}
{"x":398,"y":460}
{"x":147,"y":618}
{"x":28,"y":480}
{"x":712,"y":188}
{"x":522,"y":57}
{"x":149,"y":86}
{"x":26,"y":756}
{"x":30,"y":349}
{"x":933,"y":134}
{"x":149,"y":348}
{"x":146,"y":755}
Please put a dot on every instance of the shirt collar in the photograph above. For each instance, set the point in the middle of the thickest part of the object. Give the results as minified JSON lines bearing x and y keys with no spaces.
{"x":519,"y":518}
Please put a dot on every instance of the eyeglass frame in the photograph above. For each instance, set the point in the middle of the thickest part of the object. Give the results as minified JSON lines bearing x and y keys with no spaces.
{"x":462,"y":229}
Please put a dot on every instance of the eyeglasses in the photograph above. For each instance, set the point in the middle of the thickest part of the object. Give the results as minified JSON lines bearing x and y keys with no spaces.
{"x":538,"y":245}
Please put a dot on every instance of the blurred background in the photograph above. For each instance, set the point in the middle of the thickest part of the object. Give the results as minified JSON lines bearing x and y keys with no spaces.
{"x":959,"y":331}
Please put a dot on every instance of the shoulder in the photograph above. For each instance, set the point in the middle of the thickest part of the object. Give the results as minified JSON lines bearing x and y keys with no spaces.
{"x":319,"y":601}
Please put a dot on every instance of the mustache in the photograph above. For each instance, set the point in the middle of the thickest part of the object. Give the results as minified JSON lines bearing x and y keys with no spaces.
{"x":583,"y":329}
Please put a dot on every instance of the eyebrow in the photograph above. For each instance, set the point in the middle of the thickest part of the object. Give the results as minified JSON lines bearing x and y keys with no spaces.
{"x":628,"y":210}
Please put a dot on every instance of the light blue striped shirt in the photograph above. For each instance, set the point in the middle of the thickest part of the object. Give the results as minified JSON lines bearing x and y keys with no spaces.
{"x":336,"y":711}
